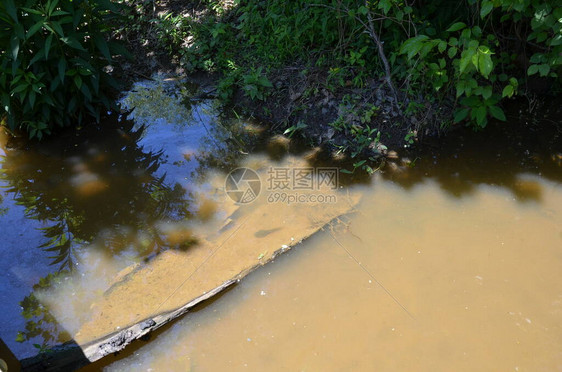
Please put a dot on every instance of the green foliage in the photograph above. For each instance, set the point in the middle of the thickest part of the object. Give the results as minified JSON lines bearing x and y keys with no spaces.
{"x":281,"y":30}
{"x":473,"y":58}
{"x":363,"y":140}
{"x":171,"y":31}
{"x":255,"y":83}
{"x":295,"y":129}
{"x":460,"y":60}
{"x":51,"y":62}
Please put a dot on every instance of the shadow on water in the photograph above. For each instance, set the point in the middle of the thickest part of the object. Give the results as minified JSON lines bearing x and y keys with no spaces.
{"x":95,"y":189}
{"x":98,"y":185}
{"x":122,"y":188}
{"x":508,"y":155}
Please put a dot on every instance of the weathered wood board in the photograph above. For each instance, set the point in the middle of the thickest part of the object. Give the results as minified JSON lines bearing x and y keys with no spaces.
{"x":144,"y":297}
{"x":174,"y":282}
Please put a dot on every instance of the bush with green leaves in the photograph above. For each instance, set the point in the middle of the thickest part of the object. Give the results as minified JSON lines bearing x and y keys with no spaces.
{"x":443,"y":61}
{"x":52,"y":62}
{"x":484,"y":54}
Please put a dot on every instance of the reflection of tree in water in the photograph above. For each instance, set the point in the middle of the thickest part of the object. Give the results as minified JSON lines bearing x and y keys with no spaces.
{"x":228,"y":140}
{"x":3,"y":210}
{"x":39,"y":321}
{"x":98,"y":187}
{"x":99,"y":184}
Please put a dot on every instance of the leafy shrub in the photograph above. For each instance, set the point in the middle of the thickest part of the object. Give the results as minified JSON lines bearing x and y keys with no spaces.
{"x":450,"y":60}
{"x":482,"y":56}
{"x":51,"y":62}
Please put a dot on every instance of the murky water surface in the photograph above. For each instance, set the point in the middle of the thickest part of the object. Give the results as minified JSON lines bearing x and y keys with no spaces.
{"x":414,"y":280}
{"x":451,"y":260}
{"x":80,"y":208}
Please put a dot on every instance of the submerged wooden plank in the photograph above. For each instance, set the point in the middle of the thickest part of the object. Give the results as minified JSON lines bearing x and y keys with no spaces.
{"x":150,"y":296}
{"x":144,"y":297}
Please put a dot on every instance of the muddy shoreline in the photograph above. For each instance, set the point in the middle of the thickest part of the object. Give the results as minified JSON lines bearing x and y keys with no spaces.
{"x":287,"y":105}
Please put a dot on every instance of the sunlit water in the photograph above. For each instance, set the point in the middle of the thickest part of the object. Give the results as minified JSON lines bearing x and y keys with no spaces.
{"x":414,"y":280}
{"x":451,"y":261}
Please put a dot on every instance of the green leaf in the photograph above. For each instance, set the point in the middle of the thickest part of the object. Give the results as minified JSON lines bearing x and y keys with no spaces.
{"x":101,"y":44}
{"x":62,"y":69}
{"x":37,"y":57}
{"x":385,"y":5}
{"x":461,"y":86}
{"x":507,"y":91}
{"x":86,"y":91}
{"x":460,"y":115}
{"x":72,"y":42}
{"x":466,"y":58}
{"x":479,"y":113}
{"x":452,"y":52}
{"x":476,"y":31}
{"x":95,"y":82}
{"x":48,"y":43}
{"x":442,"y":46}
{"x":31,"y":11}
{"x":487,"y":92}
{"x":413,"y":45}
{"x":52,"y":6}
{"x":541,"y":36}
{"x":486,"y":8}
{"x":20,"y":32}
{"x":557,"y":40}
{"x":533,"y":69}
{"x":78,"y":81}
{"x":456,"y":26}
{"x":55,"y":27}
{"x":11,"y":9}
{"x":15,"y":47}
{"x":57,"y":13}
{"x":497,"y":113}
{"x":31,"y":98}
{"x":20,"y":88}
{"x":77,"y":17}
{"x":33,"y":29}
{"x":485,"y":64}
{"x":544,"y":69}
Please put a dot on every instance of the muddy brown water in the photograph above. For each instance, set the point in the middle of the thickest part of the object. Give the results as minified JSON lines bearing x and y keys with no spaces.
{"x":416,"y":279}
{"x":449,"y":284}
{"x":450,"y":261}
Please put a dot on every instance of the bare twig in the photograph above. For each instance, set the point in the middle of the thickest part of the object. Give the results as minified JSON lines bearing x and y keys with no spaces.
{"x":388,"y":78}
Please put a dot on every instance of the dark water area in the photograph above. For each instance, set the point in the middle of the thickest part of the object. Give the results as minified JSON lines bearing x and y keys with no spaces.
{"x":120,"y":189}
{"x":77,"y":209}
{"x":529,"y":143}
